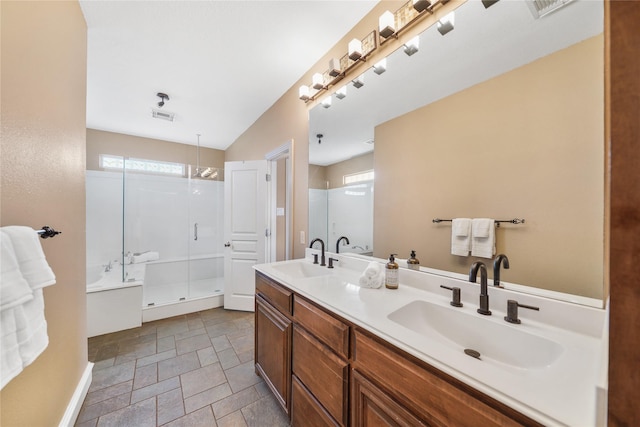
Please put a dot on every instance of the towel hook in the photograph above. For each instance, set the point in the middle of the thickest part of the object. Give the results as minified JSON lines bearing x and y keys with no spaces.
{"x":47,"y":232}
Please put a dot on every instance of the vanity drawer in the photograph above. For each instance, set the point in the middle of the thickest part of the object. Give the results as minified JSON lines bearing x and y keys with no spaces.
{"x":279,"y":296}
{"x":322,"y":372}
{"x":305,"y":409}
{"x":324,"y":326}
{"x":427,"y":394}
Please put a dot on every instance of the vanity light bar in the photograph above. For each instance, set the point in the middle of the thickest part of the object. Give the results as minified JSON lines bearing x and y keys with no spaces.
{"x":389,"y":24}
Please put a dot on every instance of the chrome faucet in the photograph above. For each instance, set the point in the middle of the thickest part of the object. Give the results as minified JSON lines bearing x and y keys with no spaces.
{"x":322,"y":263}
{"x":484,"y":293}
{"x":500,"y":260}
{"x":346,"y":239}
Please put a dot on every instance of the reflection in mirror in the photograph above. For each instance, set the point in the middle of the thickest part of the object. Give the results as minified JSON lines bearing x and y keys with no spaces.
{"x":502,"y":117}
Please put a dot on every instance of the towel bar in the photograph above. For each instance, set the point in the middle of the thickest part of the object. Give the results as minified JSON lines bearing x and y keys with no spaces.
{"x":498,"y":221}
{"x":47,"y":232}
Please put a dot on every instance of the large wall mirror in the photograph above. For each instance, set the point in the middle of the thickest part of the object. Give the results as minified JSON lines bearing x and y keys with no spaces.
{"x":502,"y":117}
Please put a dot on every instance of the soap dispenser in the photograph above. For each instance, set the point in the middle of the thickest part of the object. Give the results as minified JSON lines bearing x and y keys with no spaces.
{"x":413,"y":262}
{"x":391,"y":273}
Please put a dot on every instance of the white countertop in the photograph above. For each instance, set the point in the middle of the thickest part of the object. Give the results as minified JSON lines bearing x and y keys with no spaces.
{"x":563,"y":393}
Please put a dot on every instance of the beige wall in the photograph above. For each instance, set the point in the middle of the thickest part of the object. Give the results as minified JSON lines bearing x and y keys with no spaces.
{"x":337,"y":171}
{"x":42,"y":179}
{"x":318,"y":177}
{"x":527,"y":144}
{"x":117,"y":144}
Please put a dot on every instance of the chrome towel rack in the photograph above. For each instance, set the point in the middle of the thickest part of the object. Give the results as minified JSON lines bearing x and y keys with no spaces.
{"x":47,"y":232}
{"x":498,"y":221}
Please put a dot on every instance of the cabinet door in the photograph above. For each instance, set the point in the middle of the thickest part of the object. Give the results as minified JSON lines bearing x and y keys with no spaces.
{"x":273,"y":350}
{"x":370,"y":406}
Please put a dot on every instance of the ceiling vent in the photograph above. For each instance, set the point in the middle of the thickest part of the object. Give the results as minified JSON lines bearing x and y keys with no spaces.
{"x":540,"y":8}
{"x":164,"y":115}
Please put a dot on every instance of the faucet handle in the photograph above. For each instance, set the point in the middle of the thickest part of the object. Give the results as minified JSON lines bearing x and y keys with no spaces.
{"x":331,"y":262}
{"x":456,"y":295}
{"x":315,"y":258}
{"x":512,"y":311}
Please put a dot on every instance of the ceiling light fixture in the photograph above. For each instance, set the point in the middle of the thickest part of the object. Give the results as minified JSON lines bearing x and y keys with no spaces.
{"x":446,"y":23}
{"x":380,"y":66}
{"x":421,"y":5}
{"x":488,"y":3}
{"x":317,"y":81}
{"x":303,"y":92}
{"x":358,"y":82}
{"x":163,"y":97}
{"x":386,"y":24}
{"x":412,"y":46}
{"x":355,"y":49}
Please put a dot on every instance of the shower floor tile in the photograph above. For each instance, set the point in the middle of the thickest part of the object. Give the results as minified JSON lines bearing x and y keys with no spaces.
{"x":189,"y":370}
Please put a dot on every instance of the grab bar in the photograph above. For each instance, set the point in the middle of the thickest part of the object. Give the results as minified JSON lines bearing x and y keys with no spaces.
{"x":195,"y":231}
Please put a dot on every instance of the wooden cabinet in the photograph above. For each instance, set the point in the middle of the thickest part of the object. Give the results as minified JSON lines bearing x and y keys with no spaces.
{"x":273,"y":350}
{"x":431,"y":395}
{"x":325,"y":371}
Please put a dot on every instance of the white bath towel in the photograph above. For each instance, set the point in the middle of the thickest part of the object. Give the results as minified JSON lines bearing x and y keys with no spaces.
{"x":10,"y":359}
{"x":23,"y":334}
{"x":372,"y":277}
{"x":460,"y":236}
{"x":14,"y":289}
{"x":31,"y":328}
{"x":483,"y":242}
{"x":30,"y":256}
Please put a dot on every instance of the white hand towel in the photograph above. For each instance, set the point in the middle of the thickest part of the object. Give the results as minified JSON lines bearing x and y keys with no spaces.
{"x":372,"y":277}
{"x":460,"y":236}
{"x":30,"y":256}
{"x":14,"y":289}
{"x":373,"y":269}
{"x":483,"y":241}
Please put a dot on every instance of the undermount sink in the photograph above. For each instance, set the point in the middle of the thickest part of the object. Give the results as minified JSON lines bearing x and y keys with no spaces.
{"x":504,"y":344}
{"x":301,"y":269}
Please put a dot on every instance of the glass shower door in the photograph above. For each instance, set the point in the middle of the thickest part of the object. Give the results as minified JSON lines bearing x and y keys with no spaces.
{"x":155,"y":235}
{"x":206,"y":201}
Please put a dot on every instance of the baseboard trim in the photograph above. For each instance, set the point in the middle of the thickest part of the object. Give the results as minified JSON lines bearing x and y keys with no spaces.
{"x":73,"y":409}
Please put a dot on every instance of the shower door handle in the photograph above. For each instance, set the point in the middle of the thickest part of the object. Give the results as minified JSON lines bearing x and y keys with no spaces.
{"x":195,"y":231}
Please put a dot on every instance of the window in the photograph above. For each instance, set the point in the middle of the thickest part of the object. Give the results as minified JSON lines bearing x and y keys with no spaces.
{"x":142,"y":165}
{"x":358,"y":177}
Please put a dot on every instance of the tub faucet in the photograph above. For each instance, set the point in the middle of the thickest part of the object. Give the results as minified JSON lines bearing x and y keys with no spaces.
{"x":346,"y":240}
{"x":322,"y":263}
{"x":107,"y":268}
{"x":500,"y":260}
{"x":484,"y":293}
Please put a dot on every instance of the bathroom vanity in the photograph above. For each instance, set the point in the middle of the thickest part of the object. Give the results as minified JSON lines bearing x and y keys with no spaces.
{"x":334,"y":353}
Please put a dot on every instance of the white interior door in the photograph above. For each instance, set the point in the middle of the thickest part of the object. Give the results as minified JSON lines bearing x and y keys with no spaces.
{"x":245,"y":227}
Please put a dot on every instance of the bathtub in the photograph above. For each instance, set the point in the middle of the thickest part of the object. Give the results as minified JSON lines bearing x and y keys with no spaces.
{"x":111,"y":304}
{"x":152,"y":290}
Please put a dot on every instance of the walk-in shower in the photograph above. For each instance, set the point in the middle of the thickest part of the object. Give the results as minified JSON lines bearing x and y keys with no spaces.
{"x":154,"y":229}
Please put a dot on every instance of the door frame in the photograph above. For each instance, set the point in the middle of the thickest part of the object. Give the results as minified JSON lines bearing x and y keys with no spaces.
{"x":284,"y":151}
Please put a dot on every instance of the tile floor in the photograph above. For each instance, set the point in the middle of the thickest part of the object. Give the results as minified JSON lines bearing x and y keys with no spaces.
{"x":191,"y":370}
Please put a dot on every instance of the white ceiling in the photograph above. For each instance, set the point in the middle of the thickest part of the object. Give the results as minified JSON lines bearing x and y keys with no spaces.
{"x":222,"y":63}
{"x":484,"y":43}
